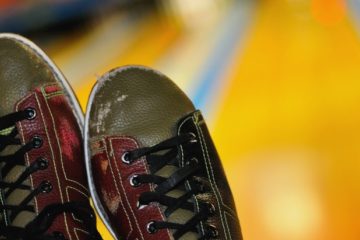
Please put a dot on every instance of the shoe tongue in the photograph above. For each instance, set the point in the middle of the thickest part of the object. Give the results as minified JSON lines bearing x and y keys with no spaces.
{"x":18,"y":195}
{"x":180,"y":216}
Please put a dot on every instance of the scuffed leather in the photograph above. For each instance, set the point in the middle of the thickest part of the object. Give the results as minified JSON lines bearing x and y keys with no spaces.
{"x":140,"y":102}
{"x":119,"y":198}
{"x":56,"y":124}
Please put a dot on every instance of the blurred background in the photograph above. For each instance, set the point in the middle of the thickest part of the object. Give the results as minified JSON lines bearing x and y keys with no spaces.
{"x":277,"y":80}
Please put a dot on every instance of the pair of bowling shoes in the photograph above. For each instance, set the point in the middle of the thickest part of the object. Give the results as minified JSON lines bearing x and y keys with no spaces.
{"x":143,"y":154}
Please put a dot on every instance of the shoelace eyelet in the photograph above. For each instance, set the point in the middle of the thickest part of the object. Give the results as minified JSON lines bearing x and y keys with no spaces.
{"x":212,"y":232}
{"x":125,"y":158}
{"x":193,"y":137}
{"x":140,"y":206}
{"x":37,"y":142}
{"x":150,"y":227}
{"x":30,"y":113}
{"x":134,"y":180}
{"x":43,"y":163}
{"x":46,"y":187}
{"x":193,"y":160}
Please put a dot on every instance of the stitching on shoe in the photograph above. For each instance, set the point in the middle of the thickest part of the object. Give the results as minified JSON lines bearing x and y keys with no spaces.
{"x":54,"y":159}
{"x":222,"y":202}
{"x":122,"y":186}
{"x":55,"y":94}
{"x":67,"y":194}
{"x":58,"y":76}
{"x":58,"y":143}
{"x":147,"y":170}
{"x":211,"y":177}
{"x":76,"y":230}
{"x":231,"y":215}
{"x":187,"y":182}
{"x":207,"y":153}
{"x":226,"y":220}
{"x":51,"y":150}
{"x":117,"y":188}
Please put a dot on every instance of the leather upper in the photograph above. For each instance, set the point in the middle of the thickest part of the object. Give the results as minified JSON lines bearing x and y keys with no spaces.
{"x":120,"y":199}
{"x":136,"y":101}
{"x":211,"y":175}
{"x":61,"y":146}
{"x":29,"y":79}
{"x":21,"y":70}
{"x":136,"y":107}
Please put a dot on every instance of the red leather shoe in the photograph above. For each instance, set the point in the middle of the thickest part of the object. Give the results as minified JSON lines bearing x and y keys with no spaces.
{"x":43,"y":187}
{"x":153,"y":169}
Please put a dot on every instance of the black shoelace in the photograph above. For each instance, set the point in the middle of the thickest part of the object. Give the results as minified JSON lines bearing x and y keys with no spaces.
{"x":37,"y":228}
{"x":167,"y":153}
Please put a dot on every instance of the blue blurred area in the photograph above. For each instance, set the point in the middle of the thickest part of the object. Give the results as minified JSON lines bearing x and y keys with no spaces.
{"x":24,"y":16}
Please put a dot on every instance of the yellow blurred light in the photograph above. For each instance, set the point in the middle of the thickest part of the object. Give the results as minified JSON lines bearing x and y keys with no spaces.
{"x":292,"y":208}
{"x":284,"y":198}
{"x":294,"y":214}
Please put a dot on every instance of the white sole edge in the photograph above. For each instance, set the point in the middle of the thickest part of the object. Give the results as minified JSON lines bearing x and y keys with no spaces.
{"x":98,"y":205}
{"x":95,"y":198}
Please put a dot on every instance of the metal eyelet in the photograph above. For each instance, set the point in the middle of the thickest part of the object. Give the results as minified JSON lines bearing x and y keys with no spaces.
{"x":150,"y":227}
{"x":134,"y":180}
{"x":125,"y":158}
{"x":37,"y":142}
{"x":30,"y":113}
{"x":212,"y":231}
{"x":193,"y":160}
{"x":46,"y":187}
{"x":193,"y":137}
{"x":43,"y":163}
{"x":140,"y":206}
